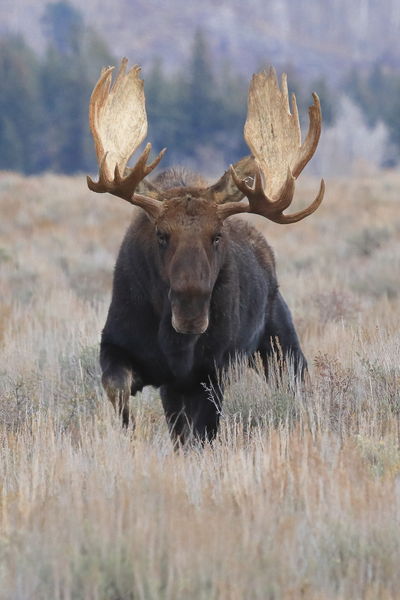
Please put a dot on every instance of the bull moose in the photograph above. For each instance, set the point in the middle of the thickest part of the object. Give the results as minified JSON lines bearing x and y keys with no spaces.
{"x":192,"y":287}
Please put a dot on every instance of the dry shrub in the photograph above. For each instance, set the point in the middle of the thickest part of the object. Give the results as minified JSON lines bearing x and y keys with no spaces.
{"x":336,"y":305}
{"x":365,"y":242}
{"x":299,"y":497}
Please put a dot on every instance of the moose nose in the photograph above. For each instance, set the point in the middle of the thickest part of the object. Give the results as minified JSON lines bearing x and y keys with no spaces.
{"x":189,"y":327}
{"x":189,"y":312}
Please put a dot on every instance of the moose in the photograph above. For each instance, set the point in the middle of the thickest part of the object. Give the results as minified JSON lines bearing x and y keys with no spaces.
{"x":193,"y":288}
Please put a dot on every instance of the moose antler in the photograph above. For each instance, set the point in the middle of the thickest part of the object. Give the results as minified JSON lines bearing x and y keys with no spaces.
{"x":118,"y":122}
{"x":273,"y":134}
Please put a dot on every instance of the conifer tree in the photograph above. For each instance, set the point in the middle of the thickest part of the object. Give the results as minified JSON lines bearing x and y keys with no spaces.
{"x":20,"y":110}
{"x":71,"y":67}
{"x":201,"y":103}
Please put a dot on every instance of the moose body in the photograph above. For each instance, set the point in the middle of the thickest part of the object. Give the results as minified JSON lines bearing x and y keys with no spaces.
{"x":194,"y":288}
{"x":244,"y":311}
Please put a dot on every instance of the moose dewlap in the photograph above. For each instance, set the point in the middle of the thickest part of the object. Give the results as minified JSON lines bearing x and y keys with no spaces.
{"x":192,"y":288}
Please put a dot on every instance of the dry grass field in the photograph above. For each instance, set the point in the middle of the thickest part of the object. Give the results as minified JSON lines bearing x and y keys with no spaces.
{"x":300,"y":495}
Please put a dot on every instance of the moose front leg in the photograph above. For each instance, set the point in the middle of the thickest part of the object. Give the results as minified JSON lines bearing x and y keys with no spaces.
{"x":192,"y":414}
{"x":119,"y":379}
{"x":280,"y":336}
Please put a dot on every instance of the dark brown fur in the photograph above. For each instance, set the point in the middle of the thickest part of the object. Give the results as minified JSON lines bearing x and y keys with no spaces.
{"x":190,"y":293}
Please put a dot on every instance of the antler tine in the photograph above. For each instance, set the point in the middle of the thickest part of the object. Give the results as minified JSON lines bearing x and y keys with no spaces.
{"x":141,"y":163}
{"x":273,"y":134}
{"x":298,"y":216}
{"x":156,"y":161}
{"x":97,"y":101}
{"x":103,"y":179}
{"x":259,"y":203}
{"x":310,"y":144}
{"x":118,"y":122}
{"x":242,"y":183}
{"x":285,"y":194}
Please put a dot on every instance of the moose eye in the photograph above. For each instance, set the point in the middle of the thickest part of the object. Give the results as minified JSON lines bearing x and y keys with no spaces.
{"x":162,"y":239}
{"x":217,"y":238}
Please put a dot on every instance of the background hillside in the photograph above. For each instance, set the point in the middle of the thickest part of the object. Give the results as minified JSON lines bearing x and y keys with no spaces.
{"x":197,"y":61}
{"x":316,"y":37}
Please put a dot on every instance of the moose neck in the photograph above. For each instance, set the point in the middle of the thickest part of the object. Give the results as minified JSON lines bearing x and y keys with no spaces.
{"x":180,"y":349}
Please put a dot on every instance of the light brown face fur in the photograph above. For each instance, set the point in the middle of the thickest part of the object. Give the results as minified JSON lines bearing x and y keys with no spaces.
{"x":191,"y":245}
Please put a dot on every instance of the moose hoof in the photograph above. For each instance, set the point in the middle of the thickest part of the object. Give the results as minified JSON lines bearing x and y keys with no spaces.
{"x":136,"y":385}
{"x":117,"y":385}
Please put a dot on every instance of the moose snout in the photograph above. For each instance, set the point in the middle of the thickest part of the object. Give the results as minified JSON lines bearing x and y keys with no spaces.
{"x":190,"y":312}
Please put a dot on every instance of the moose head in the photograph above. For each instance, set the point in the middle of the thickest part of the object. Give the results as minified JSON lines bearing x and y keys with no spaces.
{"x":189,"y":222}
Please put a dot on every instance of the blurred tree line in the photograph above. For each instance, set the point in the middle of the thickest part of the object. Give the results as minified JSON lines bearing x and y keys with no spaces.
{"x":197,"y":112}
{"x":377,"y":92}
{"x":43,"y":101}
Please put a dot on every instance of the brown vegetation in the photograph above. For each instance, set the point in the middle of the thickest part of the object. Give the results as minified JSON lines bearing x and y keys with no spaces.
{"x":300,"y":495}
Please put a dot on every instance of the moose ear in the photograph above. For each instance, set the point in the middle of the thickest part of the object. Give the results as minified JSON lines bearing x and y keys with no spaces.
{"x":145,"y":188}
{"x":225,"y":189}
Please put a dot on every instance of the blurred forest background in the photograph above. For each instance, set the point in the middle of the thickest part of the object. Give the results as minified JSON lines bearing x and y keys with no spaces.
{"x":197,"y":63}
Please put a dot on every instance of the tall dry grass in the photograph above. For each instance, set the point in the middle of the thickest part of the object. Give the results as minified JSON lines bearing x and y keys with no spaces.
{"x":300,"y":495}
